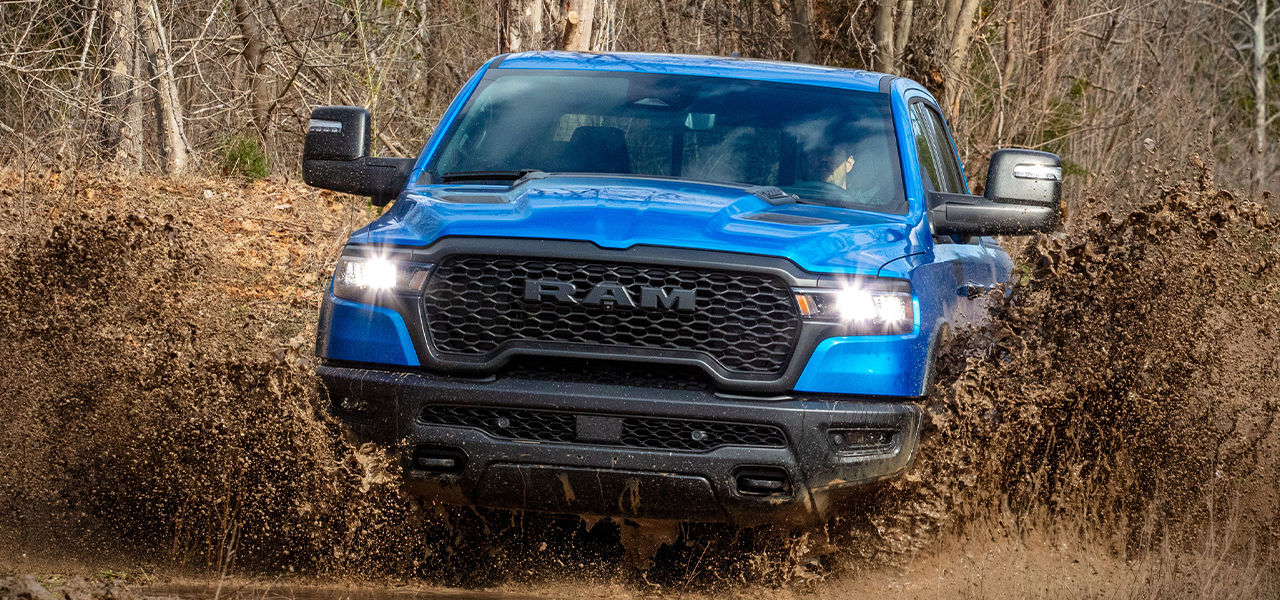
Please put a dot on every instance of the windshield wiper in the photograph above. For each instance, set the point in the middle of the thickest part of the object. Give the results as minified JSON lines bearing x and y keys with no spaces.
{"x":515,"y":177}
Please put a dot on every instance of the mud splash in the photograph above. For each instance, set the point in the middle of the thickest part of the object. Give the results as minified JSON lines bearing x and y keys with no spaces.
{"x":148,"y":413}
{"x":1129,"y":380}
{"x":161,"y":410}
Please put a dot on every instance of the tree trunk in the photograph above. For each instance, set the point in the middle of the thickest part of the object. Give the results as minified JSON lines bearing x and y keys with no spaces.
{"x":884,"y":37}
{"x":958,"y":53}
{"x":521,"y":25}
{"x":802,"y":30}
{"x":255,"y":59}
{"x":121,"y":132}
{"x":995,"y":133}
{"x":1047,"y":9}
{"x":579,"y":17}
{"x":950,"y":11}
{"x":903,"y":34}
{"x":169,"y":131}
{"x":1260,"y":55}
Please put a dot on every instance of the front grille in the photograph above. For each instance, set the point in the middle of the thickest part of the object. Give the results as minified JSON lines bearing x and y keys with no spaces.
{"x":514,"y":423}
{"x":680,"y":434}
{"x":745,"y":322}
{"x":634,"y":432}
{"x":645,"y":375}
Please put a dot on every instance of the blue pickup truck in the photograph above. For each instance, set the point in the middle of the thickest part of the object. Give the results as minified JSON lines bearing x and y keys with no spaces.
{"x":657,"y":286}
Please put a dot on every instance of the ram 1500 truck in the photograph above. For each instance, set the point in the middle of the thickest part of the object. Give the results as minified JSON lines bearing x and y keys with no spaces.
{"x":658,"y":286}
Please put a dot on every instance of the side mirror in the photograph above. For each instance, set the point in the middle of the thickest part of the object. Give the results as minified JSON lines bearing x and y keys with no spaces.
{"x":1024,"y":195}
{"x":336,"y":157}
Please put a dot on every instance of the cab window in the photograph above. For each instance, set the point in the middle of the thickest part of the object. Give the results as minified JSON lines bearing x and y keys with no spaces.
{"x":937,"y":153}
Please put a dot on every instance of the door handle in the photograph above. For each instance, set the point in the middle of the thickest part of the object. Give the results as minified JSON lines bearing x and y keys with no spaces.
{"x":973,"y":291}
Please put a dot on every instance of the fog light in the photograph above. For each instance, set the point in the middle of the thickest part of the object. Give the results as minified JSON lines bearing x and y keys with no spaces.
{"x":438,"y":459}
{"x":853,"y":440}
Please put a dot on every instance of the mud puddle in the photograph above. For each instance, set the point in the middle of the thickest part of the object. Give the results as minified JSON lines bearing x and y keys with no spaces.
{"x":292,"y":592}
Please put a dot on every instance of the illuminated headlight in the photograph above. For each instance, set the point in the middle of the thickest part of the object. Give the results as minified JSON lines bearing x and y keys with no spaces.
{"x":867,"y":307}
{"x":359,"y":277}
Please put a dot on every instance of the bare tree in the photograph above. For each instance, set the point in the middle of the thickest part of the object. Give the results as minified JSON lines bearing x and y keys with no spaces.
{"x":906,"y":12}
{"x":1248,"y":25}
{"x":255,"y":59}
{"x":121,"y":132}
{"x":1261,"y":52}
{"x":578,"y":21}
{"x":958,"y":29}
{"x":169,"y":130}
{"x":1088,"y":77}
{"x":802,"y":30}
{"x":521,"y":28}
{"x":885,"y":55}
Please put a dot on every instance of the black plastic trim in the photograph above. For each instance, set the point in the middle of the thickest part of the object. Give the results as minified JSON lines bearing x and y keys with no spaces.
{"x":383,"y":407}
{"x":886,"y":83}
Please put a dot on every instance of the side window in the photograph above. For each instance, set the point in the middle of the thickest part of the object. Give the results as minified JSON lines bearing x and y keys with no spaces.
{"x":926,"y":148}
{"x":937,"y":157}
{"x":948,"y":153}
{"x":937,"y":154}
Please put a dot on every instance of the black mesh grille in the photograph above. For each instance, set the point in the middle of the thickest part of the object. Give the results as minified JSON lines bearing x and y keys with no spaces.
{"x":746,"y":322}
{"x":636,"y":432}
{"x":666,"y":377}
{"x":541,"y":425}
{"x":679,"y":434}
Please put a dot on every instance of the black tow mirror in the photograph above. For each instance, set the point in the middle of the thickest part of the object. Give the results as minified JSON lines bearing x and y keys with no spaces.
{"x":1024,"y":195}
{"x":336,"y":157}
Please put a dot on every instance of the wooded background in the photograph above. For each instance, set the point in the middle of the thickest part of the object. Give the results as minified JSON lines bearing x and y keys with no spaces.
{"x":227,"y":85}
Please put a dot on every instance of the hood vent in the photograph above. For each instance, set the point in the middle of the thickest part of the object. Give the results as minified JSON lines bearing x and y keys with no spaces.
{"x":472,"y":198}
{"x":788,"y":219}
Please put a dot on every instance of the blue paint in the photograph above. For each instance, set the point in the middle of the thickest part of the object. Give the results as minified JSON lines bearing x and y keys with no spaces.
{"x":365,"y":333}
{"x":870,"y":365}
{"x":621,"y":212}
{"x":709,"y":66}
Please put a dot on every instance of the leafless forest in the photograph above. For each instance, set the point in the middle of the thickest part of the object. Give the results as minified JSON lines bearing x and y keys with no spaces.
{"x":174,"y":85}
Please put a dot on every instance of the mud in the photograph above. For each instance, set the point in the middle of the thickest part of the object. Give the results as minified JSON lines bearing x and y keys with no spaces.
{"x":1130,"y":379}
{"x":161,"y":415}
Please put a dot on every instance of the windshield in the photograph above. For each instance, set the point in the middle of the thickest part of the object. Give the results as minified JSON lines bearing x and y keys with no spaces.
{"x":825,"y":145}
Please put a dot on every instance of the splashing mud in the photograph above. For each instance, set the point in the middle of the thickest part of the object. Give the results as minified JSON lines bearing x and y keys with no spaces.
{"x":1132,"y":373}
{"x":160,"y":408}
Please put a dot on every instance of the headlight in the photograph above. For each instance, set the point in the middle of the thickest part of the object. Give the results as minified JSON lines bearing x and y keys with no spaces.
{"x":865,"y":307}
{"x":360,"y":277}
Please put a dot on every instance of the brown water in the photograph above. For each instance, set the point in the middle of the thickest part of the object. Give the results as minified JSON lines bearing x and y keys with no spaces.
{"x":295,"y":592}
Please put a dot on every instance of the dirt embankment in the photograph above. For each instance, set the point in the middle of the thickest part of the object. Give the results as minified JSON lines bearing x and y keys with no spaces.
{"x":160,"y":412}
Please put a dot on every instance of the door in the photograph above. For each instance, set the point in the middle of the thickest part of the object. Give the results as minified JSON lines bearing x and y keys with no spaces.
{"x":968,"y":259}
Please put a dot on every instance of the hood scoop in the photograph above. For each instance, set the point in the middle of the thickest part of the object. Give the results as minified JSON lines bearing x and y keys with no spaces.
{"x":472,"y":198}
{"x":788,"y":219}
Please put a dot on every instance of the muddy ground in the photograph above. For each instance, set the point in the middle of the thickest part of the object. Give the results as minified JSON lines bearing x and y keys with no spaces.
{"x":1111,"y":433}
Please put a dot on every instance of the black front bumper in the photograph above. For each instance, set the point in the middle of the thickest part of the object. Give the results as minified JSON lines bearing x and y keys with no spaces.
{"x":798,"y":476}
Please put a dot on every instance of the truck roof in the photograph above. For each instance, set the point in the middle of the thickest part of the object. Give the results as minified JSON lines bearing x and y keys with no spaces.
{"x":712,"y":66}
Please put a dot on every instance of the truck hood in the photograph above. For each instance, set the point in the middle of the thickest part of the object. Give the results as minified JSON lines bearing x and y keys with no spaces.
{"x":620,"y":212}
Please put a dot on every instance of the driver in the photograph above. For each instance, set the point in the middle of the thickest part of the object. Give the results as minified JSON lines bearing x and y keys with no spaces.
{"x":840,"y":174}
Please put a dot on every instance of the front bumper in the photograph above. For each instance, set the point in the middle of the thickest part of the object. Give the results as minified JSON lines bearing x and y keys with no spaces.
{"x":597,"y":471}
